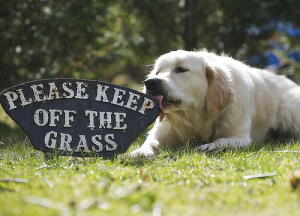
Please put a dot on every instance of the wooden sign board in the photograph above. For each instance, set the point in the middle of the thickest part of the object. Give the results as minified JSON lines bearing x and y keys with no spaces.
{"x":79,"y":117}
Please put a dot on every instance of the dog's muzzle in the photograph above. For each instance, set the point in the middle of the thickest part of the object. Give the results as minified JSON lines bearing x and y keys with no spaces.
{"x":153,"y":86}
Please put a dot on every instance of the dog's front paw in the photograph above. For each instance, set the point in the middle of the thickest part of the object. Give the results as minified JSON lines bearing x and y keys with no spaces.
{"x":142,"y":152}
{"x":210,"y":147}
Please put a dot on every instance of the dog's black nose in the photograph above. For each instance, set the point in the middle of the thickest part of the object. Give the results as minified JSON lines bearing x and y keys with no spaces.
{"x":152,"y":85}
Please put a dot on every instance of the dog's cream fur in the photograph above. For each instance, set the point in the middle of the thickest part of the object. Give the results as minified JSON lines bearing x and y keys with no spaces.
{"x":223,"y":102}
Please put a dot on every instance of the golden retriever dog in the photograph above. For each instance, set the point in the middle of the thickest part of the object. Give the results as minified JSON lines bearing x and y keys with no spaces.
{"x":217,"y":100}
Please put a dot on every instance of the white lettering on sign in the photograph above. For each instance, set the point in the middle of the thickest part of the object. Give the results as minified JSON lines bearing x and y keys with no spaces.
{"x":38,"y":92}
{"x":49,"y":141}
{"x":41,"y":117}
{"x":117,"y":100}
{"x":23,"y":99}
{"x":120,"y":117}
{"x":96,"y":140}
{"x":106,"y":120}
{"x":101,"y":93}
{"x":54,"y":116}
{"x":67,"y":87}
{"x":92,"y":115}
{"x":132,"y":101}
{"x":11,"y":97}
{"x":122,"y":98}
{"x":109,"y":140}
{"x":64,"y":141}
{"x":81,"y":88}
{"x":69,"y":117}
{"x":148,"y":104}
{"x":53,"y":91}
{"x":38,"y":120}
{"x":82,"y":144}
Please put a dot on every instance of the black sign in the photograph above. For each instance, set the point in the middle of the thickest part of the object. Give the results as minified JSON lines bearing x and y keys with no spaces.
{"x":79,"y":117}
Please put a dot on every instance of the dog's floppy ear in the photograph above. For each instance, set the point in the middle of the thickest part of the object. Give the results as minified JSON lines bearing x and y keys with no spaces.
{"x":220,"y":92}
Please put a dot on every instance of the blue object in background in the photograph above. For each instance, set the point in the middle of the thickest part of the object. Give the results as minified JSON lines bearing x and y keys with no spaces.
{"x":294,"y":55}
{"x":270,"y":60}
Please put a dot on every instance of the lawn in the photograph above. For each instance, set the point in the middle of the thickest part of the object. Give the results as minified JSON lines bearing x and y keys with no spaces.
{"x":176,"y":182}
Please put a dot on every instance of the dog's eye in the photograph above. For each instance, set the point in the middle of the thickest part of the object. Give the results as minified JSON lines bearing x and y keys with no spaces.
{"x":180,"y":70}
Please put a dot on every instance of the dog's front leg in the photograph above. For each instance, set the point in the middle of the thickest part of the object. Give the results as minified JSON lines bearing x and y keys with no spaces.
{"x":159,"y":135}
{"x":148,"y":149}
{"x":226,"y":143}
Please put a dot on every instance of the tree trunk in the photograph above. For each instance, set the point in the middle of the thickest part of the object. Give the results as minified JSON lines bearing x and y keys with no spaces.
{"x":190,"y":38}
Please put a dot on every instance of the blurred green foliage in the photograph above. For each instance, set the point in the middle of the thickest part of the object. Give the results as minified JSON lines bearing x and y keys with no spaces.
{"x":99,"y":39}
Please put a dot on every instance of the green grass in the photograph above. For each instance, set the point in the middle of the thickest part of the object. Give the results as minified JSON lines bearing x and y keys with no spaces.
{"x":173,"y":183}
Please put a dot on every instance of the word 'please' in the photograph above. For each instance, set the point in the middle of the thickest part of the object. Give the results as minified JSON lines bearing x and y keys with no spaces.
{"x":79,"y":90}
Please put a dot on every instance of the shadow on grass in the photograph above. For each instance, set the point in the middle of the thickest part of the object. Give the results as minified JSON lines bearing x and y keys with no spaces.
{"x":176,"y":152}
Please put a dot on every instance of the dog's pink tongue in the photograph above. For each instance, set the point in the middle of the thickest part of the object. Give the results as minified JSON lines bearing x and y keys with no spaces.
{"x":159,"y":99}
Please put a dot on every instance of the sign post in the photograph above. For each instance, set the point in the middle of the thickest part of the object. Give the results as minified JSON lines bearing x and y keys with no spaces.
{"x":80,"y":118}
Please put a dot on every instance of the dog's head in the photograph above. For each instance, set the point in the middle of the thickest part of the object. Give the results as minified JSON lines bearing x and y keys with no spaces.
{"x":187,"y":81}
